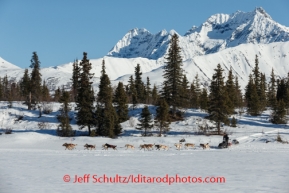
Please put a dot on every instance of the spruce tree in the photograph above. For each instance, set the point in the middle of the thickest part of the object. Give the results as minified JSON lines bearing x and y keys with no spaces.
{"x":35,"y":79}
{"x":6,"y":90}
{"x":75,"y":78}
{"x":45,"y":92}
{"x":272,"y":90}
{"x":9,"y":94}
{"x":252,"y":98}
{"x":283,"y":92}
{"x":105,"y":89}
{"x":218,"y":109}
{"x":230,"y":89}
{"x":248,"y":91}
{"x":126,"y":88}
{"x":139,"y":85}
{"x":256,"y":73}
{"x":255,"y":108}
{"x":85,"y":97}
{"x":64,"y":129}
{"x":279,"y":113}
{"x":148,"y":91}
{"x":120,"y":103}
{"x":162,"y":119}
{"x":57,"y":94}
{"x":262,"y":92}
{"x":193,"y":96}
{"x":286,"y":100}
{"x":10,"y":97}
{"x":107,"y":121}
{"x":195,"y":92}
{"x":165,"y":94}
{"x":155,"y":95}
{"x":107,"y":118}
{"x":234,"y":122}
{"x":204,"y":100}
{"x":132,"y":92}
{"x":238,"y":102}
{"x":173,"y":75}
{"x":184,"y":93}
{"x":15,"y":91}
{"x":145,"y":121}
{"x":258,"y":82}
{"x":26,"y":88}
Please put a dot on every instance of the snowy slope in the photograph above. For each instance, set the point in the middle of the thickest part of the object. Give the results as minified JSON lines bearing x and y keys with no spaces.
{"x":62,"y":74}
{"x":241,"y":59}
{"x":4,"y":65}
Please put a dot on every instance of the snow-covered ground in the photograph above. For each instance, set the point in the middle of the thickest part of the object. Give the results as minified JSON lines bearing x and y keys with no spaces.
{"x":34,"y":160}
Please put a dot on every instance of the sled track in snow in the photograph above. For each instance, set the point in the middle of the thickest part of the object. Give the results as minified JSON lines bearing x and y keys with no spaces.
{"x":254,"y":137}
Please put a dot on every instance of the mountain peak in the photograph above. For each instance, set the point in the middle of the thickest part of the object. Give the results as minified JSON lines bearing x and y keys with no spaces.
{"x":218,"y":19}
{"x":136,"y":31}
{"x":7,"y":65}
{"x":261,"y":11}
{"x":139,"y":43}
{"x":172,"y":32}
{"x":163,"y":32}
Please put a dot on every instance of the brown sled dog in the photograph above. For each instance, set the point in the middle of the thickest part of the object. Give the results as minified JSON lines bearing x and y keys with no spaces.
{"x":205,"y":146}
{"x":128,"y":146}
{"x":106,"y":146}
{"x":69,"y":146}
{"x":87,"y":146}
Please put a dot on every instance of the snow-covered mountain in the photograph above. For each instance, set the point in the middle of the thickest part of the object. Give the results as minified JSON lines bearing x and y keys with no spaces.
{"x":4,"y":65}
{"x":231,"y":40}
{"x":241,"y":59}
{"x":219,"y":32}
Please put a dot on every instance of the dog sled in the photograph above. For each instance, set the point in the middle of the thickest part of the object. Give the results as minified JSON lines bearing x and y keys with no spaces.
{"x":223,"y":145}
{"x":226,"y":144}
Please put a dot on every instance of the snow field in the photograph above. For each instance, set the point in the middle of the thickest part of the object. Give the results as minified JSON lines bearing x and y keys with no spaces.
{"x":33,"y":160}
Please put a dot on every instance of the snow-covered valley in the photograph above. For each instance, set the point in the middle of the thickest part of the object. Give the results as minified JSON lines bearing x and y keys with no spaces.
{"x":34,"y":159}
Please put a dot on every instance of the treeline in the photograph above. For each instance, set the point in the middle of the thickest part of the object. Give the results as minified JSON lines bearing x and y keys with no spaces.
{"x":101,"y":113}
{"x":274,"y":95}
{"x":30,"y":88}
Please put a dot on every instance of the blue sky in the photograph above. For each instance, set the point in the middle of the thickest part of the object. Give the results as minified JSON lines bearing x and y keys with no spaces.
{"x":61,"y":30}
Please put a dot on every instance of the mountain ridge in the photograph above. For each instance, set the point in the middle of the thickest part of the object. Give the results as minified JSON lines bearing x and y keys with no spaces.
{"x":218,"y":32}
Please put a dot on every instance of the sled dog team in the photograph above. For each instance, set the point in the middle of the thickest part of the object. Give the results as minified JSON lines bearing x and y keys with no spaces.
{"x":179,"y":146}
